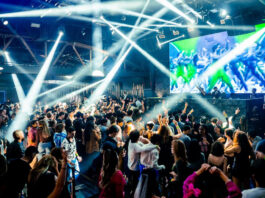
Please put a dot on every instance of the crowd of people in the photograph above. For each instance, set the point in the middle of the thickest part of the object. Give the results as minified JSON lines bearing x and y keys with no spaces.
{"x":171,"y":155}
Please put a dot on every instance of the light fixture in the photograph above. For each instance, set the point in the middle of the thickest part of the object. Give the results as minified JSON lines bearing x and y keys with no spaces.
{"x":1,"y":68}
{"x":5,"y":22}
{"x":223,"y":12}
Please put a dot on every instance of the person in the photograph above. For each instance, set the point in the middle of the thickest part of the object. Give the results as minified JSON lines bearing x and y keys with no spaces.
{"x":253,"y":94}
{"x":189,"y":189}
{"x":111,"y":180}
{"x":45,"y":139}
{"x":259,"y":175}
{"x":195,"y":157}
{"x":3,"y":176}
{"x":180,"y":170}
{"x":111,"y":142}
{"x":59,"y":135}
{"x":165,"y":155}
{"x":260,"y":150}
{"x":18,"y":171}
{"x":42,"y":180}
{"x":69,"y":146}
{"x":93,"y":144}
{"x":32,"y":134}
{"x":103,"y":129}
{"x":254,"y":138}
{"x":205,"y":140}
{"x":216,"y":93}
{"x":242,"y":151}
{"x":229,"y":138}
{"x":149,"y":159}
{"x":184,"y":137}
{"x":135,"y":148}
{"x":216,"y":156}
{"x":16,"y":149}
{"x":60,"y":118}
{"x":149,"y":132}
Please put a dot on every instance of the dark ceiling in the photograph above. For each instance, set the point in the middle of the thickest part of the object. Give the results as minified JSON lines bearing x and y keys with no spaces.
{"x":78,"y":34}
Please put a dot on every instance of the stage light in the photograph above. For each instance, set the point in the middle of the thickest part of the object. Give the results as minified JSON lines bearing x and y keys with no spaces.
{"x":61,"y":33}
{"x":18,"y":87}
{"x":101,"y":89}
{"x":1,"y":68}
{"x":170,"y":102}
{"x":88,"y":8}
{"x":74,"y":93}
{"x":239,"y":49}
{"x":97,"y":73}
{"x":223,"y":12}
{"x":171,"y":40}
{"x":29,"y":101}
{"x":170,"y":6}
{"x":5,"y":22}
{"x":209,"y":107}
{"x":210,"y":24}
{"x":11,"y":62}
{"x":55,"y":89}
{"x":156,"y":63}
{"x":69,"y":77}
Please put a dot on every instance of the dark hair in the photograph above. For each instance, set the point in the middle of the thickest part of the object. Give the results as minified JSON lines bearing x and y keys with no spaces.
{"x":183,"y":117}
{"x":194,"y":152}
{"x":150,"y":125}
{"x":91,"y":119}
{"x":113,"y":129}
{"x":129,"y":112}
{"x":110,"y":162}
{"x":244,"y":143}
{"x":156,"y":139}
{"x":103,"y":121}
{"x":79,"y":115}
{"x":70,"y":129}
{"x":164,"y":131}
{"x":179,"y":150}
{"x":119,"y":119}
{"x":33,"y":122}
{"x":214,"y":120}
{"x":186,"y":127}
{"x":229,"y":132}
{"x":59,"y":128}
{"x":217,"y":149}
{"x":51,"y":123}
{"x":134,"y":136}
{"x":49,"y":115}
{"x":61,"y":114}
{"x":252,"y":133}
{"x":259,"y":171}
{"x":30,"y":151}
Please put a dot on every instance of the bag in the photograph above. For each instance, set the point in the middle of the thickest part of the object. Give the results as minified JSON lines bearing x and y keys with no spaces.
{"x":141,"y":189}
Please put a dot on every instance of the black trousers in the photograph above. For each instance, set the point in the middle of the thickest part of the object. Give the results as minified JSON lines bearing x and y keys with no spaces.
{"x":152,"y":186}
{"x":133,"y":181}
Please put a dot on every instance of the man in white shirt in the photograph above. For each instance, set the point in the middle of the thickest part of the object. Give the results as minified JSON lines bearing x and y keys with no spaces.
{"x":150,"y":161}
{"x":259,"y":175}
{"x":136,"y":146}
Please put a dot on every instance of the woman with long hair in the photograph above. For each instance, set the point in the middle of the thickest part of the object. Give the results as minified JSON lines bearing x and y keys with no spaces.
{"x":242,"y":151}
{"x":205,"y":140}
{"x":180,"y":170}
{"x":45,"y":139}
{"x":165,"y":156}
{"x":111,"y":180}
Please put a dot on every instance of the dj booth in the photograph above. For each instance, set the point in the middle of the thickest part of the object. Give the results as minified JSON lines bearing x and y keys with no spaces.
{"x":252,"y":109}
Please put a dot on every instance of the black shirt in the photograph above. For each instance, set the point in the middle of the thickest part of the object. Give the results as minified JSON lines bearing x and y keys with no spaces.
{"x":18,"y":171}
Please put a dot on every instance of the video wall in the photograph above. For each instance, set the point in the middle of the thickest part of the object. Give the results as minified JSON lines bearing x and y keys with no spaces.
{"x":191,"y":60}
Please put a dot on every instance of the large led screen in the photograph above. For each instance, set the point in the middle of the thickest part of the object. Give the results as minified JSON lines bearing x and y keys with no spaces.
{"x":191,"y":58}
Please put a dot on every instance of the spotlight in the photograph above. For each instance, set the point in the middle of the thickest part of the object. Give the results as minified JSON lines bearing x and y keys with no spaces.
{"x":97,"y":73}
{"x":5,"y":22}
{"x":60,"y":33}
{"x":1,"y":68}
{"x":223,"y":12}
{"x":19,"y":89}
